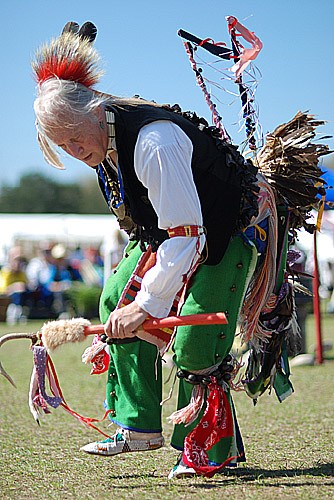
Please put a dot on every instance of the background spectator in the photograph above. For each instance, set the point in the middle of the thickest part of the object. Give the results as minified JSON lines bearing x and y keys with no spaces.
{"x":13,"y":283}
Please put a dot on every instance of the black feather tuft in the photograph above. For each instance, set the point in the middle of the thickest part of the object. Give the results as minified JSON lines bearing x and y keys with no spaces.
{"x":88,"y":30}
{"x":70,"y":27}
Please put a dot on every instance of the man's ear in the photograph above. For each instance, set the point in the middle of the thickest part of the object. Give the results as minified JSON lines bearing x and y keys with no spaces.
{"x":99,"y":113}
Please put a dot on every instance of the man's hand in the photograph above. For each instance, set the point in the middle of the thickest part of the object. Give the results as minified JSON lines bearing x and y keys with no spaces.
{"x":123,"y":322}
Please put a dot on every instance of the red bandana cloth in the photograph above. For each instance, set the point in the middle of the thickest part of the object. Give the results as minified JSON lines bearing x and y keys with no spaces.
{"x":216,"y":423}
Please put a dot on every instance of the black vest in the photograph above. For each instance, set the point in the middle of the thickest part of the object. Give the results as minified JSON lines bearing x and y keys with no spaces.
{"x":221,"y":175}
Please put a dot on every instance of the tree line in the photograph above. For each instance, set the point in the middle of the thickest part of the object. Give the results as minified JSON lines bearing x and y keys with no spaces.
{"x":37,"y":193}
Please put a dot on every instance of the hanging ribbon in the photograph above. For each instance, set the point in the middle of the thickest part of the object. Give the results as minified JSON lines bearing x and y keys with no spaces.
{"x":246,"y":55}
{"x":39,"y":400}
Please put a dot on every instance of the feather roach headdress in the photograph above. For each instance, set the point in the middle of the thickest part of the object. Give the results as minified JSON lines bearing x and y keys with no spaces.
{"x":71,"y":56}
{"x":290,"y":162}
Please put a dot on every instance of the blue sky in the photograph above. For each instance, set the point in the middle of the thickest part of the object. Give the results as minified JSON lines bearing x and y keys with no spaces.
{"x":142,"y":54}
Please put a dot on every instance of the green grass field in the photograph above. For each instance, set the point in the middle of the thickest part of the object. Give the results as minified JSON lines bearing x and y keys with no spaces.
{"x":289,"y":446}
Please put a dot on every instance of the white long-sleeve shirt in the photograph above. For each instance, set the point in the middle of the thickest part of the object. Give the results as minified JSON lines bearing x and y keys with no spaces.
{"x":162,"y":161}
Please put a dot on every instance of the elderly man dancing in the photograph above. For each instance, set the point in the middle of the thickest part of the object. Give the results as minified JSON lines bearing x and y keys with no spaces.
{"x":186,"y":198}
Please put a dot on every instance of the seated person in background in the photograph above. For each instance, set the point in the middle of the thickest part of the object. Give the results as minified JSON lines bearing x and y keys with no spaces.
{"x":59,"y":280}
{"x":91,"y":268}
{"x":13,"y":283}
{"x":38,"y":274}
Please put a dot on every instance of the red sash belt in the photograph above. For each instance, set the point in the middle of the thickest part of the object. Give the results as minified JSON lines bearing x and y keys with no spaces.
{"x":185,"y":231}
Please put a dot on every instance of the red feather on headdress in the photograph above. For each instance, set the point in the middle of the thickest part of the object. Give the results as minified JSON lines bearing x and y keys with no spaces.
{"x":68,"y":57}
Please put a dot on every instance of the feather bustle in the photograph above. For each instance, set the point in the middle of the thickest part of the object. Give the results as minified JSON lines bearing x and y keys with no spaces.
{"x":290,"y":162}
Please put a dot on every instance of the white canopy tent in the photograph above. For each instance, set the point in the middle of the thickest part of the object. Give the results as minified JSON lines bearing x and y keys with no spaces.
{"x":72,"y":230}
{"x":103,"y":231}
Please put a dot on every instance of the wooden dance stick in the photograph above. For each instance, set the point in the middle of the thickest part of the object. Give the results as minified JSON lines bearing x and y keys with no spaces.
{"x":55,"y":333}
{"x":218,"y":318}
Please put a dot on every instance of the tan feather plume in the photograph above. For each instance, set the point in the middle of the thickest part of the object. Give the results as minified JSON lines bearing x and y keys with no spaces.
{"x":290,"y":162}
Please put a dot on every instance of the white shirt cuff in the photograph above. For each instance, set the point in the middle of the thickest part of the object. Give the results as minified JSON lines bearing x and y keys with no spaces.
{"x":155,"y":306}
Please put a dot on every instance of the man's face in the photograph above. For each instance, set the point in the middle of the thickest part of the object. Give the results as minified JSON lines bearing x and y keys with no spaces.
{"x":84,"y":139}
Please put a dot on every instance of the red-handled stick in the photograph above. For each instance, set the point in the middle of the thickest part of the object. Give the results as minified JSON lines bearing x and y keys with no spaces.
{"x":218,"y":318}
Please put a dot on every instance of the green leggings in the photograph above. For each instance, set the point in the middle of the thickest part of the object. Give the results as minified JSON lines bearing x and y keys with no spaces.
{"x":134,"y":377}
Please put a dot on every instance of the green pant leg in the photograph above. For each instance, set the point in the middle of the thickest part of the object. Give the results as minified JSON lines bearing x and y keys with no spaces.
{"x":133,"y":391}
{"x":213,"y":288}
{"x":134,"y":386}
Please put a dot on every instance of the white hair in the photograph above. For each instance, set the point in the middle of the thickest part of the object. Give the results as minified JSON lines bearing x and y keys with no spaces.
{"x":61,"y":104}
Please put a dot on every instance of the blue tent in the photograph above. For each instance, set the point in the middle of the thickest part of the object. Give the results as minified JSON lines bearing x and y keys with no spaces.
{"x":329,"y":178}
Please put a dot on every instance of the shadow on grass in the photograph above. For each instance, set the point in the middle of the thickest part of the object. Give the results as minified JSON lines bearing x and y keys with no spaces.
{"x":250,"y":474}
{"x":242,"y":475}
